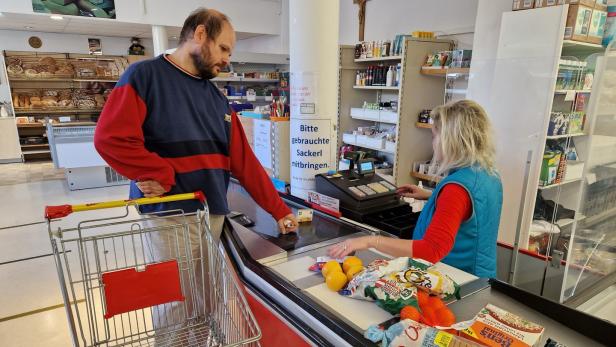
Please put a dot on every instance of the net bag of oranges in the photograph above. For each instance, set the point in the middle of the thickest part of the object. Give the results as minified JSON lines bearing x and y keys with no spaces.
{"x":394,"y":284}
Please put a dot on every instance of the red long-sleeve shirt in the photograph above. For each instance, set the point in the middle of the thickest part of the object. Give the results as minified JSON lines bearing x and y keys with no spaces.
{"x":453,"y":207}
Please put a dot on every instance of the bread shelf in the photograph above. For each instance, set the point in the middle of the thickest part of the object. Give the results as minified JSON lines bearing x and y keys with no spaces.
{"x":425,"y":177}
{"x":423,"y":125}
{"x":59,"y":111}
{"x":393,"y":57}
{"x":442,"y":72}
{"x":30,"y":125}
{"x":17,"y":79}
{"x":37,"y":146}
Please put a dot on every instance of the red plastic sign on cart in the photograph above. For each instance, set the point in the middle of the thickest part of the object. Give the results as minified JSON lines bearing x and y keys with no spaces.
{"x":130,"y":290}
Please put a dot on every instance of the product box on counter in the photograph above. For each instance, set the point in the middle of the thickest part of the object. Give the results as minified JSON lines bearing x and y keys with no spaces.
{"x":589,"y":3}
{"x":547,"y":3}
{"x":578,"y":23}
{"x":496,"y":327}
{"x":597,"y":26}
{"x":523,"y":4}
{"x":601,"y":5}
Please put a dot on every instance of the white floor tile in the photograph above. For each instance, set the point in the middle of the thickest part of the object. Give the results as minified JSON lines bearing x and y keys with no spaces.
{"x":48,"y":329}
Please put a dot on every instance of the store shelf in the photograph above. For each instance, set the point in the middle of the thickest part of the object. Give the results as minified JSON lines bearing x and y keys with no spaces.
{"x":372,"y":148}
{"x":423,"y":125}
{"x":15,"y":79}
{"x":40,"y":151}
{"x":565,"y":91}
{"x":559,"y":184}
{"x":95,"y":80}
{"x":425,"y":177}
{"x":373,"y":120}
{"x":455,"y":91}
{"x":556,"y":137}
{"x":30,"y":125}
{"x":575,"y":47}
{"x":393,"y":57}
{"x":59,"y":111}
{"x":568,"y":221}
{"x":376,"y":87}
{"x":37,"y":146}
{"x":242,"y":79}
{"x":442,"y":72}
{"x":244,"y":97}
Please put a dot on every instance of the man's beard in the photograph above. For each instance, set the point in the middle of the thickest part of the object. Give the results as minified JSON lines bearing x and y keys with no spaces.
{"x":204,"y":67}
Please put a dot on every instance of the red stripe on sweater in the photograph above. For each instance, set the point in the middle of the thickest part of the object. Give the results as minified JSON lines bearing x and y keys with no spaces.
{"x":199,"y":162}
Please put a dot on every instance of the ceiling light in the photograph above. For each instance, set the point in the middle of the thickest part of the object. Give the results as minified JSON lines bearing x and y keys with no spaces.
{"x":1,"y":14}
{"x":27,"y":27}
{"x":174,"y":37}
{"x":56,"y":17}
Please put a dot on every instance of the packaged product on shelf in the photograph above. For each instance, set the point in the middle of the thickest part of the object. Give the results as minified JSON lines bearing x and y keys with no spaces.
{"x":578,"y":23}
{"x":461,"y":58}
{"x":493,"y":326}
{"x":539,"y":236}
{"x":597,"y":26}
{"x":408,"y":332}
{"x":523,"y":4}
{"x":549,"y":168}
{"x":559,"y":123}
{"x":610,"y":23}
{"x":576,"y":122}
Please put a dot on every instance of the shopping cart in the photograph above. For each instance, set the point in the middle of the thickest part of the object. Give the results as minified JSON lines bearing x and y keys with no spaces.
{"x":120,"y":288}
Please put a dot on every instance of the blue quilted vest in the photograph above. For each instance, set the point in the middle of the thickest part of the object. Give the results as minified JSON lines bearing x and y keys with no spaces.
{"x":474,"y":250}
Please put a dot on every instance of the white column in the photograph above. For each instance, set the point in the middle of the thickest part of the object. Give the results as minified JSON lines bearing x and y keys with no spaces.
{"x":159,"y":38}
{"x":313,"y":47}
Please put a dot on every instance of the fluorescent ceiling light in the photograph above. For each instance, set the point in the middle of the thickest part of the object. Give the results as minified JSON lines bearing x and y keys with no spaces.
{"x":56,"y":17}
{"x":28,"y":27}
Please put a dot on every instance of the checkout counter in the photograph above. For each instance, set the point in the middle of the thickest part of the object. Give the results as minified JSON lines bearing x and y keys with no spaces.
{"x":274,"y":270}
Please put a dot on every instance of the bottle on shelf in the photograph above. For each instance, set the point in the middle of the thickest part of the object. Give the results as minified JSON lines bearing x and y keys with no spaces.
{"x":358,"y":78}
{"x":398,"y":71}
{"x":389,"y":78}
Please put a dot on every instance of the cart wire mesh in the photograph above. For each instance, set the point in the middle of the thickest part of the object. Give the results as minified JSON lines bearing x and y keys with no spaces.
{"x":142,"y":309}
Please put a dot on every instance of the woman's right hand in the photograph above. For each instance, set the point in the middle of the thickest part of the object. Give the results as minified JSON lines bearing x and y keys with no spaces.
{"x":413,"y":191}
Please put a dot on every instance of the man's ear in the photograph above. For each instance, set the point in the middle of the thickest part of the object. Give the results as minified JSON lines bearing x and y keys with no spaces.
{"x":200,"y":35}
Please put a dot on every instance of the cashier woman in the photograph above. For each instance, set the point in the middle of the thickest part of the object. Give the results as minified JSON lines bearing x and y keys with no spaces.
{"x":459,"y":223}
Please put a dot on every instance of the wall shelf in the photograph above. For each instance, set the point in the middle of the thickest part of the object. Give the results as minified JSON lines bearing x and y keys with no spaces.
{"x":368,"y":147}
{"x":376,"y":87}
{"x":556,"y":137}
{"x":442,"y":72}
{"x":423,"y":125}
{"x":558,"y":184}
{"x":424,"y":177}
{"x":393,"y":57}
{"x":374,"y":120}
{"x":54,"y":112}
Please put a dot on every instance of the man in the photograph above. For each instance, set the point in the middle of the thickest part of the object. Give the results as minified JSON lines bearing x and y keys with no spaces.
{"x":170,"y":130}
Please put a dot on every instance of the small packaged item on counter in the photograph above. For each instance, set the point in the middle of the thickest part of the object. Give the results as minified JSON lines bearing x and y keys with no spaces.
{"x":304,"y":215}
{"x":495,"y":327}
{"x":410,"y":333}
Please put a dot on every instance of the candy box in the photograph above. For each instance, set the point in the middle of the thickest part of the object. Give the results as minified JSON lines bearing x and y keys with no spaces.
{"x":496,"y":327}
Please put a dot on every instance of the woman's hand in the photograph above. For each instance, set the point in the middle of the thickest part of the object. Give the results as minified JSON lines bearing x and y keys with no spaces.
{"x":413,"y":191}
{"x":346,"y":247}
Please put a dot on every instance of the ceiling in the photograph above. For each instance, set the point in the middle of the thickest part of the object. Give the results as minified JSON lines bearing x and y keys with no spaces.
{"x":86,"y":26}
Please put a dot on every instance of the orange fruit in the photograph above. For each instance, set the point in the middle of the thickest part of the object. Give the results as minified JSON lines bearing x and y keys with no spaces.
{"x":330,"y":266}
{"x":354,"y":270}
{"x":335,"y":280}
{"x":351,"y":261}
{"x":410,"y":312}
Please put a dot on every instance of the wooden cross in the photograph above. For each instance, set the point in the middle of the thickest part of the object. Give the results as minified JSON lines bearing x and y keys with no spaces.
{"x":362,"y":17}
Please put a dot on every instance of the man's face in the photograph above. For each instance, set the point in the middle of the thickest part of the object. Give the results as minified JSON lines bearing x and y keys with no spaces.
{"x":212,"y":55}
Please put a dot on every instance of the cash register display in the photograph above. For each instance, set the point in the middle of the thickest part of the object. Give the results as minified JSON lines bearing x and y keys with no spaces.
{"x":365,"y":167}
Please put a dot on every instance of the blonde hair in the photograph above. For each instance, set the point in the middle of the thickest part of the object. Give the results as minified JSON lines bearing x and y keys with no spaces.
{"x":465,"y":136}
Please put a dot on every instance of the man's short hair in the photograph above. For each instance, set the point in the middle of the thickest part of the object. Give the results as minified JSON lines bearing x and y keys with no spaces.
{"x":211,"y":19}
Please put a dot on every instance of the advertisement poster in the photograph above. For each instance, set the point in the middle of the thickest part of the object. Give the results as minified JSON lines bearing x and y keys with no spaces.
{"x":83,"y":8}
{"x":303,"y":95}
{"x":94,"y":47}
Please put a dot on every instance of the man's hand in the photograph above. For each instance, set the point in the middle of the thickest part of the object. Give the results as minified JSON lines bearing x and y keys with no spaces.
{"x":288,"y":224}
{"x":413,"y":191}
{"x":150,"y":189}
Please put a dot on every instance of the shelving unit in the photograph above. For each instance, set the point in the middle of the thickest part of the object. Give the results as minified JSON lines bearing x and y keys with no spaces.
{"x":443,"y":72}
{"x":368,"y":147}
{"x":424,"y":177}
{"x":423,"y":125}
{"x":558,"y":184}
{"x":558,"y":137}
{"x":415,"y":93}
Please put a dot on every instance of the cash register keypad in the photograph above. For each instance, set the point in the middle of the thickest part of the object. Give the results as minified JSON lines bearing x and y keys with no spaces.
{"x":366,"y":190}
{"x":357,"y":192}
{"x":388,"y":185}
{"x":377,"y":187}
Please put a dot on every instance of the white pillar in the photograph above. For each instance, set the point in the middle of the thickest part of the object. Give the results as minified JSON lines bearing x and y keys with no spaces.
{"x":313,"y":47}
{"x":159,"y":38}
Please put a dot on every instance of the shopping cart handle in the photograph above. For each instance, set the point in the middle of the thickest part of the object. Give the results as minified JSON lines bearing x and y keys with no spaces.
{"x":52,"y":212}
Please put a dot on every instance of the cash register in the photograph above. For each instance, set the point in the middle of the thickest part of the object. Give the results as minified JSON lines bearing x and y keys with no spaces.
{"x":366,"y":197}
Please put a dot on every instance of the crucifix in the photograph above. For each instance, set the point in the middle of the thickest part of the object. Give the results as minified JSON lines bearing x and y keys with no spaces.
{"x":362,"y":17}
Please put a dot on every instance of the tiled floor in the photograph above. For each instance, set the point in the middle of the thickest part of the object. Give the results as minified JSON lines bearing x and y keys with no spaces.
{"x":29,"y":287}
{"x":31,"y":172}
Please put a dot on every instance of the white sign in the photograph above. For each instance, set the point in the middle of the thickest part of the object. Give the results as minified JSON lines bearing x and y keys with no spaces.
{"x":324,"y":200}
{"x":262,"y":142}
{"x":303,"y":94}
{"x":311,"y":145}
